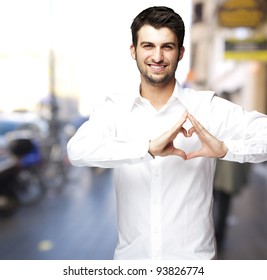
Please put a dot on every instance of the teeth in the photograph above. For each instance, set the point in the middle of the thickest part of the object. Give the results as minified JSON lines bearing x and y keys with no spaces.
{"x":157,"y":66}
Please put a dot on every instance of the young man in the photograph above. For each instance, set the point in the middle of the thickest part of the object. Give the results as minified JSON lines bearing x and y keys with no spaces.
{"x":163,"y":142}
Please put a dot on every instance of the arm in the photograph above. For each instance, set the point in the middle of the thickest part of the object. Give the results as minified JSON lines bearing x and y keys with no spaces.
{"x":96,"y":142}
{"x":242,"y":134}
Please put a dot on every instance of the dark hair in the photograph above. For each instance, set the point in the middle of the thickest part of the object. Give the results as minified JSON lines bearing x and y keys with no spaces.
{"x":159,"y":17}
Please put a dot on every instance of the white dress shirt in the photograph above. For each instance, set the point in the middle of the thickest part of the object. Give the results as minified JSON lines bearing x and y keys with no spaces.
{"x":165,"y":204}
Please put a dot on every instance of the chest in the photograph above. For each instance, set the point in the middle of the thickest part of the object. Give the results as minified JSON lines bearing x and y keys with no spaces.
{"x":146,"y":122}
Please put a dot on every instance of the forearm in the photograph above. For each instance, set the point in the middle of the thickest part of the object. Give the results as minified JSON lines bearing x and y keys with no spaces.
{"x":244,"y":133}
{"x":109,"y":152}
{"x":252,"y":145}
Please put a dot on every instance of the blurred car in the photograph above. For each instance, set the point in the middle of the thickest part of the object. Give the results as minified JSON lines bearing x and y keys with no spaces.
{"x":24,"y":121}
{"x":20,"y":125}
{"x":26,"y":125}
{"x":7,"y":160}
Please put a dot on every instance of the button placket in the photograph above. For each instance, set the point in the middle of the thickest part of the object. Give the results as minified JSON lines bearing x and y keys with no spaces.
{"x":156,"y":179}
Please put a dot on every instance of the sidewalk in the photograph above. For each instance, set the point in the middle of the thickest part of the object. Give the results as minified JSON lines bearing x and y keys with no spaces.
{"x":246,"y":234}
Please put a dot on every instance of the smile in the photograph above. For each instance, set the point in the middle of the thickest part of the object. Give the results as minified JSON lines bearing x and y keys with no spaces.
{"x":157,"y":67}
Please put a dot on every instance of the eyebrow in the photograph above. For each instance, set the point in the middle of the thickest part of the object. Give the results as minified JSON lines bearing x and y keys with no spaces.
{"x":164,"y":44}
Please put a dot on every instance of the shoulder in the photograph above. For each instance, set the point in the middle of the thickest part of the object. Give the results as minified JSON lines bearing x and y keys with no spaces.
{"x":117,"y":98}
{"x":196,"y":95}
{"x":116,"y":103}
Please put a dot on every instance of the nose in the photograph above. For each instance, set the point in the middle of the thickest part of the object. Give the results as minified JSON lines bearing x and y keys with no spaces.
{"x":157,"y":55}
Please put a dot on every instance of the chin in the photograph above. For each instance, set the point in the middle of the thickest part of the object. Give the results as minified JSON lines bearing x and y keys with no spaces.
{"x":160,"y":81}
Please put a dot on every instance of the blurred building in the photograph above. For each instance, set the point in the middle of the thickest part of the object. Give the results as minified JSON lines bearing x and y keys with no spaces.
{"x":229,"y":50}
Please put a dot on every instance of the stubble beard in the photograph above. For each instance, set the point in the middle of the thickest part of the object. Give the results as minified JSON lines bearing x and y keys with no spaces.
{"x":156,"y":80}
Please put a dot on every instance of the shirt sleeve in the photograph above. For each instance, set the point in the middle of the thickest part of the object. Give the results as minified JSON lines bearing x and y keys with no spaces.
{"x":244,"y":133}
{"x":96,"y":142}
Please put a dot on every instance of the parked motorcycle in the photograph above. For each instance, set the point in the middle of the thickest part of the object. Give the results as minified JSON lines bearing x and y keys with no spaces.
{"x":20,"y":180}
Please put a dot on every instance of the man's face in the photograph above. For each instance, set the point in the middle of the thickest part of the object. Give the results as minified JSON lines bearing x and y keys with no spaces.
{"x":156,"y":54}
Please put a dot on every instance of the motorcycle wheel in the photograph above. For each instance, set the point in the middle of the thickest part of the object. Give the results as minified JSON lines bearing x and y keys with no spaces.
{"x":56,"y":175}
{"x":29,"y":188}
{"x":8,"y":204}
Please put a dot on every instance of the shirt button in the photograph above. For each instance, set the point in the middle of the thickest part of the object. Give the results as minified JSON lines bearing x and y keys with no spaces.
{"x":156,"y":201}
{"x":156,"y":172}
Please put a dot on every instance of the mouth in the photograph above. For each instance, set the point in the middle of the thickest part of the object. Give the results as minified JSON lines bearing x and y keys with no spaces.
{"x":157,"y":68}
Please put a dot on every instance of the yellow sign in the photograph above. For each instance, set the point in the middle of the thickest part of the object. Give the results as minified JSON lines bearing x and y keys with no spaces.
{"x":241,"y":13}
{"x":250,"y":49}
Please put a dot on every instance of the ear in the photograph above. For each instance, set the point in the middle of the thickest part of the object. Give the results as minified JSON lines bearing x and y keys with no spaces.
{"x":181,"y":53}
{"x":133,"y":53}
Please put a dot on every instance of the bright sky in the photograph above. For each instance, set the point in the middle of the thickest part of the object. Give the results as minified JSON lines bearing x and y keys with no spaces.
{"x":92,"y":37}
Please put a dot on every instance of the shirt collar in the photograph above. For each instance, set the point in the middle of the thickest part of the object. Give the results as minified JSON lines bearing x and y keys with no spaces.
{"x":135,"y":96}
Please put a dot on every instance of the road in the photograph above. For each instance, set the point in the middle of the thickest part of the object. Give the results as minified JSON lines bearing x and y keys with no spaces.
{"x":77,"y":222}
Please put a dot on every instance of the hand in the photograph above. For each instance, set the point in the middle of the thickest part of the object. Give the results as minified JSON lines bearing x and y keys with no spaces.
{"x":211,"y":147}
{"x":163,"y":145}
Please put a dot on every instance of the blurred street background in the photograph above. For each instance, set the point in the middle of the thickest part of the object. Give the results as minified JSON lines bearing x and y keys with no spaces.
{"x":58,"y":60}
{"x":74,"y":222}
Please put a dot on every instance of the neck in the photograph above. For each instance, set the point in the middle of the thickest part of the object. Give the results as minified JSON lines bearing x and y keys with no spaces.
{"x":158,"y":95}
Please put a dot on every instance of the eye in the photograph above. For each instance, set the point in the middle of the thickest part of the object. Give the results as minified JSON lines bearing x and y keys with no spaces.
{"x":147,"y":46}
{"x":168,"y":47}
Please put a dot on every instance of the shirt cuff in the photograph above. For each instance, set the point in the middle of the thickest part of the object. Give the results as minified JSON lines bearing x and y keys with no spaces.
{"x":144,"y":155}
{"x":233,"y":153}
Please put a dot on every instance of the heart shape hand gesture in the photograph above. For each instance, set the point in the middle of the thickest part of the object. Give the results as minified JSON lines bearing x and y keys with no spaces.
{"x":211,"y":147}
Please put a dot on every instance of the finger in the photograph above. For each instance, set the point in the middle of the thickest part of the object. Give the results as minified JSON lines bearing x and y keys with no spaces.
{"x":193,"y":121}
{"x":191,"y":118}
{"x":194,"y":154}
{"x":179,"y":153}
{"x":181,"y":121}
{"x":194,"y":125}
{"x":199,"y":128}
{"x":185,"y":114}
{"x":191,"y":131}
{"x":178,"y":128}
{"x":184,"y":131}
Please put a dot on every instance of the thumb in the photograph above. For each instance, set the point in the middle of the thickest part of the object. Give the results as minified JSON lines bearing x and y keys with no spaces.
{"x":193,"y":154}
{"x":180,"y":153}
